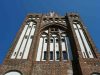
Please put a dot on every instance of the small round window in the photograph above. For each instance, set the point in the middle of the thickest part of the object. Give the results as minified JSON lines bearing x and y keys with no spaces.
{"x":13,"y":73}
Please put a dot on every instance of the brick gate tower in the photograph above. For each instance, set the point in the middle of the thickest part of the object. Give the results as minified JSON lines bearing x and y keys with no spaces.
{"x":50,"y":44}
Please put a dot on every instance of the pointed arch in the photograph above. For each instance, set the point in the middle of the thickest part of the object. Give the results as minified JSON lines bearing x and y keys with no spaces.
{"x":61,"y":26}
{"x":53,"y":46}
{"x":24,"y":42}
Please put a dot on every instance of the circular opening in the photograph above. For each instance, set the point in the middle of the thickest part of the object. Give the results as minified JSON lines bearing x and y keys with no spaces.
{"x":95,"y":73}
{"x":13,"y":73}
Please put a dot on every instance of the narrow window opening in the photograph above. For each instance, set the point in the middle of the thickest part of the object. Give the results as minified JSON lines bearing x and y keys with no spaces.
{"x":34,"y":26}
{"x":58,"y":56}
{"x":14,"y":53}
{"x":51,"y":55}
{"x":56,"y":29}
{"x":63,"y":40}
{"x":44,"y":19}
{"x":52,"y":29}
{"x":51,"y":40}
{"x":20,"y":53}
{"x":65,"y":55}
{"x":56,"y":40}
{"x":45,"y":55}
{"x":84,"y":54}
{"x":29,"y":26}
{"x":32,"y":37}
{"x":26,"y":36}
{"x":89,"y":52}
{"x":56,"y":19}
{"x":46,"y":40}
{"x":51,"y":19}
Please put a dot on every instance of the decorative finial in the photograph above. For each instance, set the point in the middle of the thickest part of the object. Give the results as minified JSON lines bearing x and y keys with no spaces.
{"x":52,"y":13}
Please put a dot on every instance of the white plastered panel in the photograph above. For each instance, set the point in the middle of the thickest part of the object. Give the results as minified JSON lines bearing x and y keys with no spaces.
{"x":31,"y":23}
{"x":56,"y":49}
{"x":52,"y":47}
{"x":78,"y":26}
{"x":69,"y":49}
{"x":19,"y":43}
{"x":44,"y":48}
{"x":39,"y":50}
{"x":86,"y":44}
{"x":74,"y":26}
{"x":21,"y":50}
{"x":81,"y":44}
{"x":63,"y":45}
{"x":28,"y":45}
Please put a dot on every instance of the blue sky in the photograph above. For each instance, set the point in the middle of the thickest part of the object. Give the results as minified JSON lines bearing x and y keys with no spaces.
{"x":13,"y":12}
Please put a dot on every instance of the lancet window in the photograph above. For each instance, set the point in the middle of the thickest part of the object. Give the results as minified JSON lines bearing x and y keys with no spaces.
{"x":54,"y":45}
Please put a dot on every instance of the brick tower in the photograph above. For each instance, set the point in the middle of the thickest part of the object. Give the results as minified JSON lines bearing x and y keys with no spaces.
{"x":50,"y":44}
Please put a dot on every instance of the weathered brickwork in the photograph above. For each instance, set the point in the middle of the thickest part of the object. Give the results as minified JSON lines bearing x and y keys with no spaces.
{"x":52,"y":68}
{"x":77,"y":66}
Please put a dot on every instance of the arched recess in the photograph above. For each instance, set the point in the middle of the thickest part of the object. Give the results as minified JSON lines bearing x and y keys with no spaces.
{"x":22,"y":48}
{"x":54,"y":44}
{"x":13,"y":72}
{"x":85,"y":46}
{"x":63,"y":27}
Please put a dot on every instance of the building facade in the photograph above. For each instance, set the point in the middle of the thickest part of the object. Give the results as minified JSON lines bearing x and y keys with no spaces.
{"x":50,"y":44}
